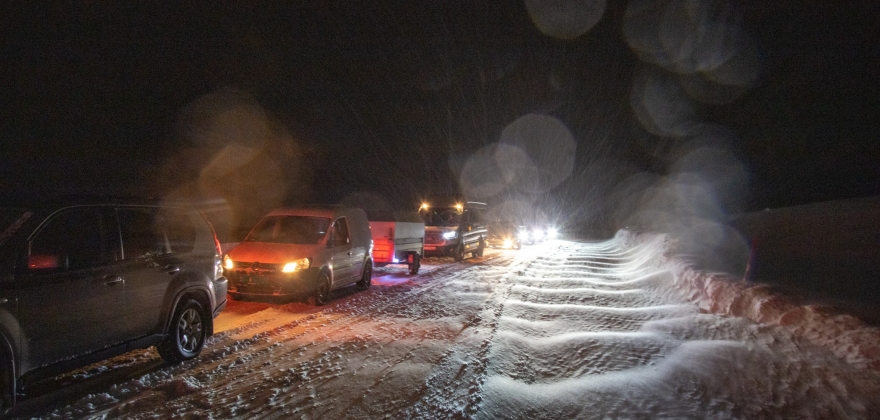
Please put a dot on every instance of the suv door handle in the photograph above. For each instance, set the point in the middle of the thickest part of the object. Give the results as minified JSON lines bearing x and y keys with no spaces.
{"x":111,"y":280}
{"x":171,"y":269}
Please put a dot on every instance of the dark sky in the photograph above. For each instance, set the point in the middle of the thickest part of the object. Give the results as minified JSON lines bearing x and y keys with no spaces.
{"x":319,"y":101}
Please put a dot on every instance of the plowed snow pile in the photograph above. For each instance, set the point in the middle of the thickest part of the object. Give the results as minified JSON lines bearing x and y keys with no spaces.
{"x":614,"y":329}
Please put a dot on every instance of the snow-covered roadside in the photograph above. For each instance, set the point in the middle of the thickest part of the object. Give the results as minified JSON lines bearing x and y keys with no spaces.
{"x":561,"y":329}
{"x":843,"y":335}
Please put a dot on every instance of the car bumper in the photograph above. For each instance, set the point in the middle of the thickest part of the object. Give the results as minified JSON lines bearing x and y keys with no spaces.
{"x":276,"y":284}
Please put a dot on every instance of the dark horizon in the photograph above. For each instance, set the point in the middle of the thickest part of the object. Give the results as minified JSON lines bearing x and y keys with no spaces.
{"x":327,"y":102}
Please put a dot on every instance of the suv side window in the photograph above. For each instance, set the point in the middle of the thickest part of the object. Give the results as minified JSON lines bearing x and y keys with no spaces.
{"x":75,"y":234}
{"x":339,"y":233}
{"x":150,"y":231}
{"x":175,"y":228}
{"x":139,"y":238}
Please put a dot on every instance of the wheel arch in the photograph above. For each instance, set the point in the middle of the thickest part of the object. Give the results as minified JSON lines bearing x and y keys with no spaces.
{"x":9,"y":378}
{"x":200,"y":295}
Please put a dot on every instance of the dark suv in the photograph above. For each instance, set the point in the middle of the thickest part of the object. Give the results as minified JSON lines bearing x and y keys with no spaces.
{"x":82,"y":282}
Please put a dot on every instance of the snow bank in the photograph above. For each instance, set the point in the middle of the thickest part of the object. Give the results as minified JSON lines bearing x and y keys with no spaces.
{"x":845,"y":336}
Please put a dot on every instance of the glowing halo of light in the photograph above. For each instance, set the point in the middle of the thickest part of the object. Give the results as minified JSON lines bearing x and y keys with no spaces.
{"x":662,"y":106}
{"x":565,"y":19}
{"x":549,"y":145}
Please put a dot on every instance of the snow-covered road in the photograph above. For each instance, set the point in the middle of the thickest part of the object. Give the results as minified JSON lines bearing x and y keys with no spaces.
{"x":561,"y":329}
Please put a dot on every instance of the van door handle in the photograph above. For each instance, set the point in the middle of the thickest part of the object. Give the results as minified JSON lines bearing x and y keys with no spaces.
{"x":112,"y":280}
{"x":171,"y":269}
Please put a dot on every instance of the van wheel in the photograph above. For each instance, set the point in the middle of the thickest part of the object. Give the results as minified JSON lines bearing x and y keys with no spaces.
{"x":479,"y":251}
{"x":458,"y":253}
{"x":366,"y":278}
{"x":322,"y":290}
{"x":187,"y":333}
{"x":414,"y":266}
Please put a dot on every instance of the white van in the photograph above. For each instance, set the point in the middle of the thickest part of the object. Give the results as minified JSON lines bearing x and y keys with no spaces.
{"x":305,"y":251}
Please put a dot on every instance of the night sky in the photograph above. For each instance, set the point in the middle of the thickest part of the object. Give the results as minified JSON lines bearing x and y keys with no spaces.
{"x":539,"y":104}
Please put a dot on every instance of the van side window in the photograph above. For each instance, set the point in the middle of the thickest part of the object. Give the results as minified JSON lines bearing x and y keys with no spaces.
{"x":75,"y":235}
{"x":339,"y":233}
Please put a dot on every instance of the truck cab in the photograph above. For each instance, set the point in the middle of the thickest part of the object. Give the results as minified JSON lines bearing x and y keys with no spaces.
{"x":454,"y":228}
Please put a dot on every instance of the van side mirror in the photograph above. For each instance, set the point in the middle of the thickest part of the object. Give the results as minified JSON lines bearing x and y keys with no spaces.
{"x":46,"y":262}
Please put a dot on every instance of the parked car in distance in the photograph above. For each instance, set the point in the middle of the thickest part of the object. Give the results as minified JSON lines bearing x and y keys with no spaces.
{"x":302,"y":251}
{"x":82,"y":281}
{"x":505,"y":234}
{"x":454,"y":228}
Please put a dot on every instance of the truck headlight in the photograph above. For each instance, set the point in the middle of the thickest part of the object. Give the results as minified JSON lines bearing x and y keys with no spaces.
{"x":300,"y":264}
{"x":449,"y":235}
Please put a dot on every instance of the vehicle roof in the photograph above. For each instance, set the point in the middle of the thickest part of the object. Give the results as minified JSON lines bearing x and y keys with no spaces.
{"x":51,"y":202}
{"x":313,"y":211}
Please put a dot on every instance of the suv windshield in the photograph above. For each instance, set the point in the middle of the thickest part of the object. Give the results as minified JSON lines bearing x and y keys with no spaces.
{"x":289,"y":230}
{"x":441,"y":216}
{"x":11,"y":219}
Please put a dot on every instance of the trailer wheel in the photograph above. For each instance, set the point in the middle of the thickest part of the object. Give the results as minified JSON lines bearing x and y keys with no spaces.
{"x":415,"y":264}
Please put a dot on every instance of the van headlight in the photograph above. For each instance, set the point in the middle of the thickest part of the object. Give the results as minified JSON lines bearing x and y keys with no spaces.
{"x":300,"y":264}
{"x":449,"y":235}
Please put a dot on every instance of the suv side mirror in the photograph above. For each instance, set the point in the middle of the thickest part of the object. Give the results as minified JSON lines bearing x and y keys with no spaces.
{"x":46,"y":262}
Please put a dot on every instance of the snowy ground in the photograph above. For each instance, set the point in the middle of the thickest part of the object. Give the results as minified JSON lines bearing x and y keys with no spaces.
{"x":556,"y":330}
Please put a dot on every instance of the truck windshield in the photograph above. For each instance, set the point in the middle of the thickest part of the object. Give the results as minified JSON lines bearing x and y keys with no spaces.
{"x":303,"y":230}
{"x":11,"y":219}
{"x":441,"y":216}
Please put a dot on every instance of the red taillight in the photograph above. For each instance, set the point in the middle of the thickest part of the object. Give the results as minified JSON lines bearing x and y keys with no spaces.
{"x":217,"y":245}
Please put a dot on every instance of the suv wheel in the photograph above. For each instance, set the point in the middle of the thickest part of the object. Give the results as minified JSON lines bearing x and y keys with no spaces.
{"x":366,"y":277}
{"x":187,"y":333}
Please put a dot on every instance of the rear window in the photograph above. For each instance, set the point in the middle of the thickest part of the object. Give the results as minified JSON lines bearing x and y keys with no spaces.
{"x":11,"y":219}
{"x":303,"y":230}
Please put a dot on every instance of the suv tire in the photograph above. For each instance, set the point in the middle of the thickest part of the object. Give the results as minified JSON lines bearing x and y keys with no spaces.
{"x":186,"y":334}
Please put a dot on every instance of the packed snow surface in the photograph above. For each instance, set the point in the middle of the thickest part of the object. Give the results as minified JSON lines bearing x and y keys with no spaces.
{"x":561,"y":329}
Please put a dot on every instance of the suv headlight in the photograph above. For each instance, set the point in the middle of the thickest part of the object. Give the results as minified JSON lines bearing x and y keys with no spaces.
{"x":449,"y":235}
{"x":300,"y":264}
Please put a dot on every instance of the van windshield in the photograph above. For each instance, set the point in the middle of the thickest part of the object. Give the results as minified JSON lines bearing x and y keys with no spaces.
{"x":303,"y":230}
{"x":441,"y":216}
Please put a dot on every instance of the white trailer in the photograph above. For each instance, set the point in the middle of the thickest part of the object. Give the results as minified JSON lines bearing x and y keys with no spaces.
{"x":398,"y":238}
